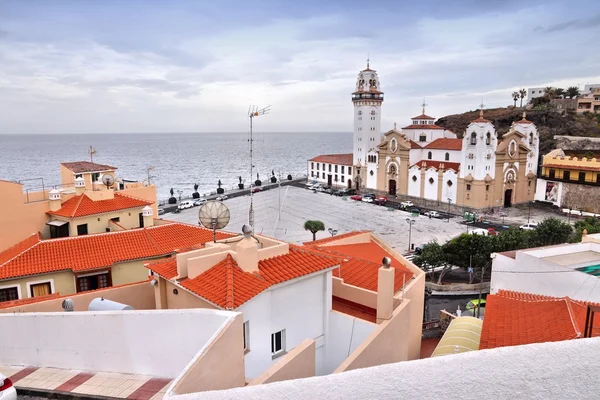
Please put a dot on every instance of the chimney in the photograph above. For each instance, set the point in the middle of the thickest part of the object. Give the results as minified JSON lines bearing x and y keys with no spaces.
{"x":55,"y":199}
{"x":385,"y":291}
{"x":79,"y":186}
{"x":148,"y":215}
{"x":247,"y":251}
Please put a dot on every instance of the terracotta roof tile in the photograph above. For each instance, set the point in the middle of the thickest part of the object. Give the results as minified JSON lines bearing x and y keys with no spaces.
{"x":415,"y":145}
{"x":437,"y":164}
{"x":165,"y":268}
{"x":445,"y":144}
{"x":335,"y":238}
{"x":481,"y":120}
{"x":89,"y":252}
{"x":422,"y":116}
{"x":339,"y":159}
{"x":86,"y":166}
{"x":29,"y":300}
{"x":423,"y":127}
{"x":82,"y":205}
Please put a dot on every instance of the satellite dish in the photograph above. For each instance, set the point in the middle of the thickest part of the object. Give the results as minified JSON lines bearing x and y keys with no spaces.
{"x":108,"y":180}
{"x":214,"y":215}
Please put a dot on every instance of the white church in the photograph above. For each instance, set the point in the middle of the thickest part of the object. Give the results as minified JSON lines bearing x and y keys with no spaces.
{"x":424,"y":160}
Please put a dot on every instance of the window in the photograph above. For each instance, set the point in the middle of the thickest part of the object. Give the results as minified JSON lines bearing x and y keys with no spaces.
{"x":342,"y":169}
{"x":312,"y":174}
{"x":567,"y":175}
{"x":582,"y":177}
{"x":342,"y":178}
{"x":487,"y":188}
{"x":312,"y":165}
{"x":471,"y":156}
{"x":468,"y":186}
{"x":317,"y":174}
{"x":449,"y":183}
{"x":329,"y":167}
{"x":429,"y":156}
{"x":336,"y":168}
{"x":93,"y":282}
{"x":9,"y":294}
{"x":349,"y":170}
{"x":423,"y":137}
{"x":246,"y":327}
{"x":323,"y":167}
{"x":82,"y":229}
{"x":360,"y":128}
{"x":359,"y":112}
{"x":529,"y":183}
{"x":447,"y":157}
{"x":40,"y":289}
{"x":335,"y":178}
{"x":78,"y":176}
{"x":431,"y":180}
{"x":414,"y":178}
{"x":531,"y":138}
{"x":473,"y":138}
{"x":372,"y":112}
{"x":278,"y":343}
{"x":552,"y":173}
{"x":95,"y":176}
{"x":488,"y":138}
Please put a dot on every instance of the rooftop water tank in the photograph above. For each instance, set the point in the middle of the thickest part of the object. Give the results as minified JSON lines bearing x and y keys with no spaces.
{"x":101,"y":304}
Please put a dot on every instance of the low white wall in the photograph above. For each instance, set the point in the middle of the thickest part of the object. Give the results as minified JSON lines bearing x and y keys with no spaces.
{"x":346,"y":333}
{"x":534,"y":372}
{"x":158,"y":343}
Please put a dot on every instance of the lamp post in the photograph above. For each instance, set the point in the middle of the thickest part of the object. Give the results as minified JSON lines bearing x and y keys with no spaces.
{"x":570,"y":209}
{"x":449,"y":202}
{"x":332,"y":231}
{"x":410,"y":223}
{"x":529,"y":214}
{"x":180,"y":192}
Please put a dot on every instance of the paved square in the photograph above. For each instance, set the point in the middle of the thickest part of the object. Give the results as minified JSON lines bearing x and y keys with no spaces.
{"x":299,"y":205}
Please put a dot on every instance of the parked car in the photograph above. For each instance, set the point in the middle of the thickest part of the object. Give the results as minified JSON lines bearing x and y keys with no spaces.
{"x":380,"y":200}
{"x":349,"y":192}
{"x":492,"y":232}
{"x":432,"y":214}
{"x":328,"y":191}
{"x":528,"y":227}
{"x":161,"y":211}
{"x":256,"y":189}
{"x":414,"y":210}
{"x":406,"y":204}
{"x":186,"y":204}
{"x":7,"y":390}
{"x":222,"y":197}
{"x":479,"y":231}
{"x":356,"y":197}
{"x":199,"y":202}
{"x":368,"y":197}
{"x":339,"y":192}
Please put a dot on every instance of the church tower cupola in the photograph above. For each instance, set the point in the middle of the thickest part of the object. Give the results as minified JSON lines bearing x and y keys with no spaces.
{"x":367,"y":99}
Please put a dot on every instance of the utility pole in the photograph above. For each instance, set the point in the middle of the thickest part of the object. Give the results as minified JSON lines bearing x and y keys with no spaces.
{"x":253,"y":111}
{"x":480,"y":291}
{"x":410,"y":222}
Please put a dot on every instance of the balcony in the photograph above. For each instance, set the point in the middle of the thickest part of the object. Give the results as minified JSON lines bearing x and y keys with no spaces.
{"x":575,"y":181}
{"x":367,"y":96}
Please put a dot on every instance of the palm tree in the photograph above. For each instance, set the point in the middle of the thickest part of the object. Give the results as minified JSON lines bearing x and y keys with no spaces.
{"x":559,"y":92}
{"x":572,"y":92}
{"x":549,"y":92}
{"x":522,"y":95}
{"x":515,"y":96}
{"x":314,"y":227}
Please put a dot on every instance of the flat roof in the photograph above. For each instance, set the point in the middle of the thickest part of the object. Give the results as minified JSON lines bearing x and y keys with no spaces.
{"x":579,"y":257}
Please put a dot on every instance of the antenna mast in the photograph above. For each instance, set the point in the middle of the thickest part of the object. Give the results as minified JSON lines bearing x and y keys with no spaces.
{"x":91,"y":152}
{"x":253,"y":111}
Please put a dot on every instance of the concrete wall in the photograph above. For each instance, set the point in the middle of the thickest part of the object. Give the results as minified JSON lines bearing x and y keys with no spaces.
{"x":109,"y":341}
{"x":298,"y":363}
{"x":388,"y":343}
{"x":138,"y":295}
{"x":300,"y":307}
{"x":183,"y":299}
{"x":128,"y":272}
{"x":346,"y":333}
{"x":354,"y":293}
{"x":220,"y":365}
{"x":534,"y":372}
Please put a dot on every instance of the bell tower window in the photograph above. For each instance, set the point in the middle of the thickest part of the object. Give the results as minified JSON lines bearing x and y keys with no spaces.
{"x":447,"y":157}
{"x":488,"y":138}
{"x":429,"y":156}
{"x":473,"y":138}
{"x":423,"y":137}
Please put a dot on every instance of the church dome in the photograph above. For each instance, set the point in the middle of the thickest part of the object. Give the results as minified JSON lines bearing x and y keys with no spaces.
{"x":367,"y":85}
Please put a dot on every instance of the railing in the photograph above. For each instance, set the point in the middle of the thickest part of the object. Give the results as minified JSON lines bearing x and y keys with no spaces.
{"x":577,"y":182}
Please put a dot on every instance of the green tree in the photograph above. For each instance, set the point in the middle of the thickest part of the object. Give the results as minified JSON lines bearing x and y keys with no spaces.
{"x":515,"y":96}
{"x":572,"y":92}
{"x":431,"y":258}
{"x":549,"y":92}
{"x":514,"y":239}
{"x":590,"y":224}
{"x":559,"y":93}
{"x":314,"y":227}
{"x":522,"y":95}
{"x":552,"y":231}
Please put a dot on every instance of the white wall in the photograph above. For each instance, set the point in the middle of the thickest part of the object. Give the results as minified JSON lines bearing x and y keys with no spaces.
{"x":158,"y":342}
{"x":342,"y":177}
{"x":440,"y":155}
{"x":346,"y":333}
{"x":534,"y":372}
{"x":530,"y":274}
{"x":431,"y":189}
{"x":414,"y":187}
{"x":449,"y":191}
{"x":300,"y":307}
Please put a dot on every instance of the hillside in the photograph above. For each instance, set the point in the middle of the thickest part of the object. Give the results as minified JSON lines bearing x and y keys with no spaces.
{"x":548,"y":122}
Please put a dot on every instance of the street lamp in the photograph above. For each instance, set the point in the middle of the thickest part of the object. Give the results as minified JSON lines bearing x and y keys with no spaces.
{"x":180,"y":192}
{"x":529,"y":214}
{"x":570,"y":209}
{"x":410,"y":223}
{"x":449,"y":202}
{"x":332,"y":231}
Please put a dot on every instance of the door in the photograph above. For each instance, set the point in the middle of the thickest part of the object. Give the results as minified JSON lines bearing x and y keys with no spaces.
{"x":350,"y":183}
{"x":392,"y":186}
{"x":508,"y":198}
{"x":329,"y":180}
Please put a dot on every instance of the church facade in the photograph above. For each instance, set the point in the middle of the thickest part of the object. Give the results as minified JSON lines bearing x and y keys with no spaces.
{"x":423,"y":160}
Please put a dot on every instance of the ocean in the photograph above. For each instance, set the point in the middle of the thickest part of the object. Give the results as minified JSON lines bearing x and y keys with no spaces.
{"x":178,"y":160}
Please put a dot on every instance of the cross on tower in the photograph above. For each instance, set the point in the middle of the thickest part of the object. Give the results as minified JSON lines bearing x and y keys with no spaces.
{"x":368,"y":59}
{"x":394,"y":126}
{"x":424,"y":105}
{"x":481,"y":108}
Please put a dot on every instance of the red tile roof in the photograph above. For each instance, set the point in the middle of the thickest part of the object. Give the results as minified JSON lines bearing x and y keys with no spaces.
{"x":436,"y":164}
{"x":228,"y":286}
{"x":339,"y":159}
{"x":423,"y":127}
{"x":481,"y":119}
{"x":513,"y":318}
{"x":415,"y":145}
{"x":335,"y":238}
{"x":86,"y":166}
{"x":422,"y":116}
{"x":165,"y":268}
{"x":362,"y":266}
{"x":445,"y":144}
{"x":82,"y":205}
{"x":34,"y":256}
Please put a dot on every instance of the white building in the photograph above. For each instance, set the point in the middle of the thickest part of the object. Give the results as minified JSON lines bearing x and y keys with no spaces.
{"x":533,"y":93}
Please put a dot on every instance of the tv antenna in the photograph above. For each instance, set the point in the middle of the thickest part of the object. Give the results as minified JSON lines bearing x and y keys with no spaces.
{"x":253,"y":111}
{"x":108,"y":180}
{"x":214,"y":215}
{"x":91,"y":152}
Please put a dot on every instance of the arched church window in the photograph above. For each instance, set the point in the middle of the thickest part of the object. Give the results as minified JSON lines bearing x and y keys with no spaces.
{"x":531,"y":138}
{"x":429,"y":156}
{"x":447,"y":157}
{"x":473,"y":138}
{"x":488,"y":138}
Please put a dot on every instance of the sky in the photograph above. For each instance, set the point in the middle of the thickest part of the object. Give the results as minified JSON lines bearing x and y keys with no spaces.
{"x":195,"y":66}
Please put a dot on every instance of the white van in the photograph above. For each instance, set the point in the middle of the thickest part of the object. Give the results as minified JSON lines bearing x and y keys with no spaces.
{"x":185,"y":204}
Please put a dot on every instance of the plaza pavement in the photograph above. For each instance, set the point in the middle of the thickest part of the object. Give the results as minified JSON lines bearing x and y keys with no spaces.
{"x":299,"y":205}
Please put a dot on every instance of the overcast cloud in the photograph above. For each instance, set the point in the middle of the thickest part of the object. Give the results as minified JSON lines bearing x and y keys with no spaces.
{"x":191,"y":66}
